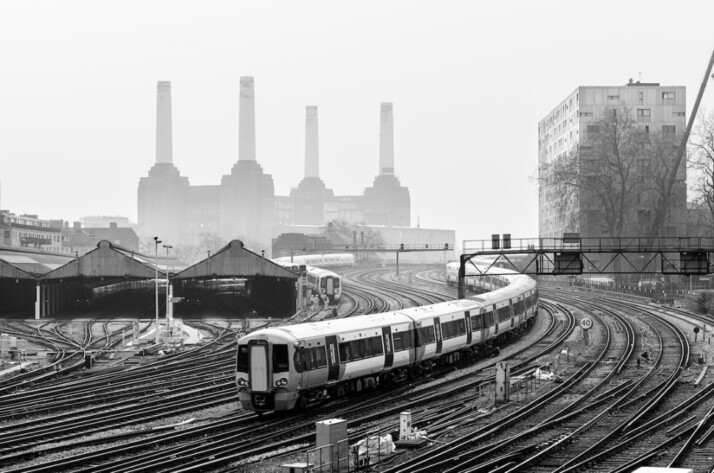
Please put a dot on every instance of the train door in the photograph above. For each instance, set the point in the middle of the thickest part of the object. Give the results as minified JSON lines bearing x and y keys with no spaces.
{"x":419,"y":343}
{"x":333,"y":363}
{"x":304,"y":375}
{"x":437,"y":333}
{"x":512,"y":311}
{"x":259,"y":368}
{"x":388,"y":350}
{"x":469,"y":335}
{"x":495,"y":321}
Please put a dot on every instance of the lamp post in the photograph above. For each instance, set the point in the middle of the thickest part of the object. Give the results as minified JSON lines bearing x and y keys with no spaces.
{"x":156,"y":280}
{"x":168,"y":299}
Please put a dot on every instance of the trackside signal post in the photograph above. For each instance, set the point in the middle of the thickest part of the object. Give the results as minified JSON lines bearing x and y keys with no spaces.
{"x":572,"y":255}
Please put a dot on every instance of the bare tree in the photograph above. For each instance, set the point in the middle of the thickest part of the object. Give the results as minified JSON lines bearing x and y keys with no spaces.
{"x":615,"y":183}
{"x":701,"y":161}
{"x":341,"y":232}
{"x":598,"y":180}
{"x":658,"y":171}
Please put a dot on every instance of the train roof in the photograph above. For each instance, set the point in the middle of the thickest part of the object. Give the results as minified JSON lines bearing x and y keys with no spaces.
{"x":329,"y":327}
{"x":321,"y":271}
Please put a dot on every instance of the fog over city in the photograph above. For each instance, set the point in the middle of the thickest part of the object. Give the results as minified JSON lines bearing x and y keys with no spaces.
{"x":469,"y":82}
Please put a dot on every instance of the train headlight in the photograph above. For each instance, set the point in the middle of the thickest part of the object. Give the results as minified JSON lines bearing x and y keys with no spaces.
{"x":281,"y":382}
{"x":242,"y":382}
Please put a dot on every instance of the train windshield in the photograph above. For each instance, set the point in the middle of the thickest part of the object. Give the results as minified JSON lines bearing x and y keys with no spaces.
{"x":242,"y":363}
{"x":280,"y":358}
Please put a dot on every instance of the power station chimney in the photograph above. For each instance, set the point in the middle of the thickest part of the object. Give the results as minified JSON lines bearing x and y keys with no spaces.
{"x":386,"y":140}
{"x":246,"y":120}
{"x":312,"y":149}
{"x":164,"y":148}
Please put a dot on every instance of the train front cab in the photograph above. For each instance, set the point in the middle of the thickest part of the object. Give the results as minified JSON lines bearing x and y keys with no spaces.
{"x":330,"y":285}
{"x":263,"y":376}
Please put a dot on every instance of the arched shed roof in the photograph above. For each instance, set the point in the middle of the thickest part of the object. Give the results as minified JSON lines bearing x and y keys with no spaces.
{"x":234,"y":261}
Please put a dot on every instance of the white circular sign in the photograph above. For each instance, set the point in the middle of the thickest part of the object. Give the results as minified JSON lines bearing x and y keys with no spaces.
{"x":586,"y":323}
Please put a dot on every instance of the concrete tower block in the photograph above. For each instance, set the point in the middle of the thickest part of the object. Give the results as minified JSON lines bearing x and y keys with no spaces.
{"x":312,"y":150}
{"x":386,"y":140}
{"x":164,"y":147}
{"x":246,"y":120}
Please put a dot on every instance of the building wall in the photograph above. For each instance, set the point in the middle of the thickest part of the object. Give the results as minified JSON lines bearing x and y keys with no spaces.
{"x":565,"y":128}
{"x":28,"y":231}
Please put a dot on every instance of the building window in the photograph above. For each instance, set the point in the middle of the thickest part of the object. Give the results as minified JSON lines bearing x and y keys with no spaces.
{"x":678,"y":114}
{"x":586,"y":114}
{"x":668,"y":128}
{"x":668,"y":96}
{"x":592,"y":129}
{"x":647,"y":129}
{"x":642,"y":98}
{"x":613,"y":97}
{"x":643,"y":114}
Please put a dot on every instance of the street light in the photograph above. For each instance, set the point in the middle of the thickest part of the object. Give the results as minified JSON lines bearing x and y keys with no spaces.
{"x":156,"y":280}
{"x":168,"y":301}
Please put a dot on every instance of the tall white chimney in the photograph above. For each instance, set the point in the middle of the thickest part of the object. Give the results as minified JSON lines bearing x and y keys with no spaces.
{"x":246,"y":120}
{"x":312,"y":148}
{"x":164,"y":148}
{"x":386,"y":140}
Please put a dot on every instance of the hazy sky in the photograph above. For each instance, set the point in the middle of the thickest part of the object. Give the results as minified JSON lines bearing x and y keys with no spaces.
{"x":469,"y":81}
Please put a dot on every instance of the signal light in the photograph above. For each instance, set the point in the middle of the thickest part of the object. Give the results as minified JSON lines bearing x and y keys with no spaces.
{"x":446,"y":246}
{"x":401,"y":246}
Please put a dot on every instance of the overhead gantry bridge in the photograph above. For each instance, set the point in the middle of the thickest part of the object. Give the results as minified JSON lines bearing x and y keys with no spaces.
{"x":47,"y":283}
{"x":572,"y":255}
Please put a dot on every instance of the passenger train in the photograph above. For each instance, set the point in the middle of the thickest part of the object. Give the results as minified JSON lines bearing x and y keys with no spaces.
{"x":318,"y":281}
{"x":328,"y":260}
{"x":475,"y":279}
{"x":296,"y":366}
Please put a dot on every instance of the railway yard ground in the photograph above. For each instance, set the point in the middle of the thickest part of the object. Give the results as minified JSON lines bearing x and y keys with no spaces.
{"x":97,"y":395}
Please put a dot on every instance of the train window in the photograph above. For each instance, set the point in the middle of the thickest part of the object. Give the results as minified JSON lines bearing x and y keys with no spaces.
{"x":367,"y":348}
{"x":416,"y":334}
{"x":476,"y":322}
{"x":376,"y":346}
{"x":320,"y":357}
{"x":489,"y":319}
{"x":362,"y":348}
{"x":345,"y":352}
{"x":242,"y":364}
{"x":504,"y":313}
{"x":280,"y":358}
{"x":298,"y":360}
{"x":428,"y":334}
{"x":454,"y":328}
{"x":354,"y":347}
{"x":323,"y":283}
{"x":402,"y":341}
{"x":520,"y":307}
{"x":398,"y":343}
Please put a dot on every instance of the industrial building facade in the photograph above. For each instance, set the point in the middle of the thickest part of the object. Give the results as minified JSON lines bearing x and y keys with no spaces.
{"x":654,"y":110}
{"x":244,"y":205}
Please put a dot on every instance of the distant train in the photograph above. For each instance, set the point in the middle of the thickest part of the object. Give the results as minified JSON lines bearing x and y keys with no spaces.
{"x":301,"y":365}
{"x":319,"y":281}
{"x":476,"y":280}
{"x":328,"y":260}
